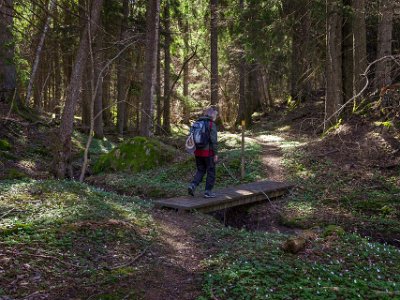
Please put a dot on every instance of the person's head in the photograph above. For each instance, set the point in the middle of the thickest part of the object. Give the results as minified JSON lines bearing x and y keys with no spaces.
{"x":211,"y":112}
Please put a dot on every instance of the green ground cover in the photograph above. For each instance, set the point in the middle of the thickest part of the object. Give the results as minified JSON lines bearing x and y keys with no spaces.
{"x":253,"y":266}
{"x":62,"y":237}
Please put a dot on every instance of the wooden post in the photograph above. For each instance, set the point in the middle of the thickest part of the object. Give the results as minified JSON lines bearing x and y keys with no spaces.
{"x":242,"y":171}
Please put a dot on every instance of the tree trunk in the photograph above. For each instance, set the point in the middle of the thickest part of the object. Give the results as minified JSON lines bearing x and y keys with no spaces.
{"x":8,"y":73}
{"x":347,"y":52}
{"x":167,"y":71}
{"x":152,"y":23}
{"x":385,"y":30}
{"x":334,"y":96}
{"x":62,"y":161}
{"x":360,"y":44}
{"x":214,"y":51}
{"x":186,"y":106}
{"x":262,"y":91}
{"x":86,"y":95}
{"x":250,"y":94}
{"x":242,"y":76}
{"x":56,"y":102}
{"x":38,"y":53}
{"x":158,"y":91}
{"x":99,"y":64}
{"x":242,"y":90}
{"x":67,"y":39}
{"x":38,"y":91}
{"x":107,"y":117}
{"x":301,"y":66}
{"x":122,"y":74}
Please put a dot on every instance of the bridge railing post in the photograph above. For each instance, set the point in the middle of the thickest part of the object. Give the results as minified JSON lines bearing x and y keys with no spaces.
{"x":242,"y":170}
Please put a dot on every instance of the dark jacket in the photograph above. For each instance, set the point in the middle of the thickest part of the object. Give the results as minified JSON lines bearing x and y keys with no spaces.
{"x":212,"y":148}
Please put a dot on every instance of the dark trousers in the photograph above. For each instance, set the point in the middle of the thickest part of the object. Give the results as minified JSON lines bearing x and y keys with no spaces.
{"x":205,"y":165}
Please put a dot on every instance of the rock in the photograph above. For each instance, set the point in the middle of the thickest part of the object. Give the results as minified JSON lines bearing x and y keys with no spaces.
{"x":294,"y":245}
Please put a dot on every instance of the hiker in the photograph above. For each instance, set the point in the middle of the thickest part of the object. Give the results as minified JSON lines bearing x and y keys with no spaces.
{"x":206,"y":156}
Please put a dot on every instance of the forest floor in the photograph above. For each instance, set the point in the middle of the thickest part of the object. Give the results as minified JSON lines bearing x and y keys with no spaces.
{"x":104,"y":240}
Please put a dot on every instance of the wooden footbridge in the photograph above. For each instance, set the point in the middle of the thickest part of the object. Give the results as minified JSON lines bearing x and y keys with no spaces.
{"x":228,"y":197}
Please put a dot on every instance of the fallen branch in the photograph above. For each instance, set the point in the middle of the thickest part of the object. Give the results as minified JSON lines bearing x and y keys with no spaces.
{"x":5,"y":214}
{"x":131,"y":261}
{"x":365,"y":75}
{"x":45,"y":256}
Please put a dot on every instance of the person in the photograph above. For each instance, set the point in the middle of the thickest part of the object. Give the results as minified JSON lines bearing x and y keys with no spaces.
{"x":207,"y":156}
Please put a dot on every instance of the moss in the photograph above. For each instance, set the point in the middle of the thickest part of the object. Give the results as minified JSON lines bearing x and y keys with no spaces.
{"x":19,"y":227}
{"x":333,"y":229}
{"x":5,"y":145}
{"x":15,"y":174}
{"x":135,"y":155}
{"x":7,"y":155}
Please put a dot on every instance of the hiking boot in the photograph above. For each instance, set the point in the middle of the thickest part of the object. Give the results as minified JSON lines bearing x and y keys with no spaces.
{"x":209,"y":194}
{"x":191,"y":189}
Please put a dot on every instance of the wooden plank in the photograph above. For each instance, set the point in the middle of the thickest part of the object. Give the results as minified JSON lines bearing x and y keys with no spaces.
{"x":228,"y":197}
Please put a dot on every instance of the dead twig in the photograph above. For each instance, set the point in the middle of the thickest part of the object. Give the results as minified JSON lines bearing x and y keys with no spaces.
{"x":44,"y":256}
{"x":131,"y":261}
{"x":6,"y":213}
{"x":270,"y":202}
{"x":230,"y":174}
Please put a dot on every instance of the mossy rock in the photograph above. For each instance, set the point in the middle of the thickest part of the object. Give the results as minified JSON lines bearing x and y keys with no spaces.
{"x":135,"y":155}
{"x":5,"y":145}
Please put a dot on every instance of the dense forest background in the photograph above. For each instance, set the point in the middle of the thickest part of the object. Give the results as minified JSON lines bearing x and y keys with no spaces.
{"x":138,"y":67}
{"x":96,"y":101}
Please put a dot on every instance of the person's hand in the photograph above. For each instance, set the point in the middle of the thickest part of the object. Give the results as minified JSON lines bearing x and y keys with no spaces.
{"x":215,"y":158}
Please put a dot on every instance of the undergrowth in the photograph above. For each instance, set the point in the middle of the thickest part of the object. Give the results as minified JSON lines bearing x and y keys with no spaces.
{"x":361,"y":200}
{"x":253,"y":266}
{"x":65,"y":239}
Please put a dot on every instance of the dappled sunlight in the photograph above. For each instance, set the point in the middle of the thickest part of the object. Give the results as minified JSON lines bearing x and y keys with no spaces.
{"x":292,"y":144}
{"x":285,"y":128}
{"x":301,"y":209}
{"x":50,"y":202}
{"x":269,"y":138}
{"x":243,"y":192}
{"x":344,"y":129}
{"x":27,"y":164}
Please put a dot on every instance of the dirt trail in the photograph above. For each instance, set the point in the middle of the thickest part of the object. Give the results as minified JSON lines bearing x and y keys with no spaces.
{"x":175,"y":270}
{"x":266,"y":216}
{"x":272,"y":161}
